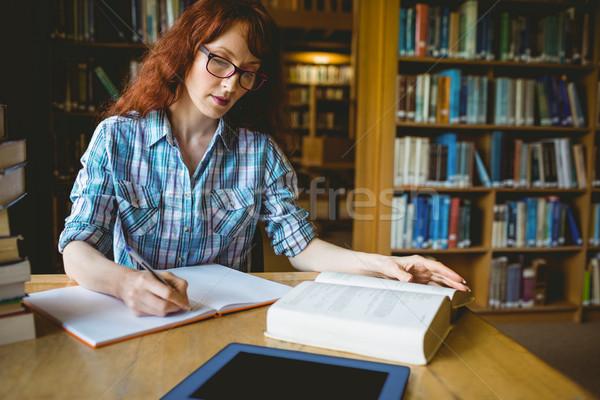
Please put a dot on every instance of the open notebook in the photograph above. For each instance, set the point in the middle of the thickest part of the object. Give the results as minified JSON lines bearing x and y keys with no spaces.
{"x":98,"y":319}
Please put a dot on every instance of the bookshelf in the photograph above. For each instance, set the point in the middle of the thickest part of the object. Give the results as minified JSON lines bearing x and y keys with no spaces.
{"x":87,"y":34}
{"x":84,"y":37}
{"x":377,"y":129}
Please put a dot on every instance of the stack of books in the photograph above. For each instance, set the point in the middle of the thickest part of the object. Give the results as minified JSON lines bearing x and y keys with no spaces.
{"x":16,"y":323}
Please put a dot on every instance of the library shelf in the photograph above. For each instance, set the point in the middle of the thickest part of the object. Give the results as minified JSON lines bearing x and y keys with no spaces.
{"x":100,"y":45}
{"x":552,"y":312}
{"x":458,"y":62}
{"x":441,"y":189}
{"x":537,"y":250}
{"x":378,"y":127}
{"x":466,"y":250}
{"x":492,"y":127}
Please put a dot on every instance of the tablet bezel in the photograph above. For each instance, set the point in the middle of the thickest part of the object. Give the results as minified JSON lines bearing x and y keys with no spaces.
{"x":393,"y":387}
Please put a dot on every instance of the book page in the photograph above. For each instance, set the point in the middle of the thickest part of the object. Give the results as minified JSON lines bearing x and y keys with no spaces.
{"x":225,"y":289}
{"x":98,"y":319}
{"x":457,"y":297}
{"x":363,"y":303}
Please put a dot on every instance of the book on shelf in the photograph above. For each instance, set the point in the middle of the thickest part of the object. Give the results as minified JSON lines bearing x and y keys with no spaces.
{"x":319,"y":74}
{"x":106,"y":82}
{"x":392,"y":320}
{"x":430,"y":221}
{"x":535,"y":222}
{"x":591,"y":282}
{"x":213,"y":290}
{"x":515,"y":283}
{"x":441,"y":162}
{"x":563,"y":36}
{"x":545,"y":163}
{"x":136,"y":21}
{"x":445,"y":97}
{"x":546,"y":101}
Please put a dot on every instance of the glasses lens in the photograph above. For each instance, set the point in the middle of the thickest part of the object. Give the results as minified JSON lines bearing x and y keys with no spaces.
{"x":220,"y":67}
{"x":250,"y":81}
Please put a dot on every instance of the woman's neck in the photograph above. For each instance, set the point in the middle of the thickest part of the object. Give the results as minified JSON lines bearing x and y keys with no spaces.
{"x":188,"y":124}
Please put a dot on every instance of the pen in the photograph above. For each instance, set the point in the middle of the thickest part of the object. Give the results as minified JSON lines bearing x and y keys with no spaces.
{"x":138,"y":259}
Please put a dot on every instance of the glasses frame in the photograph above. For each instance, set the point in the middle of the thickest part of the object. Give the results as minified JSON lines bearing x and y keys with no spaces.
{"x":236,"y":69}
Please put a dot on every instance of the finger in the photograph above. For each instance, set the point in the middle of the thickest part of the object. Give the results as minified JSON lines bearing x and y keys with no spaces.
{"x":163,"y":299}
{"x":147,"y":303}
{"x":443,"y":280}
{"x":437,"y":267}
{"x":179,"y":293}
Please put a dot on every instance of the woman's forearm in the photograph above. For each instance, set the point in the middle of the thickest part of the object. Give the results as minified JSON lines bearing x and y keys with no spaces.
{"x":92,"y":270}
{"x":320,"y":256}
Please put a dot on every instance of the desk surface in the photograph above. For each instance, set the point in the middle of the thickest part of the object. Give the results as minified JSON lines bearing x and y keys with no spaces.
{"x":476,"y":362}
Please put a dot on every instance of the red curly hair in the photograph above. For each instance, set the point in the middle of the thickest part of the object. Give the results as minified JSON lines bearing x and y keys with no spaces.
{"x":164,"y":67}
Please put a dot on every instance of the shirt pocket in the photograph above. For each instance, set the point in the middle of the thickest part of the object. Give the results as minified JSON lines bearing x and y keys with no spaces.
{"x":232,"y":210}
{"x":139,"y":207}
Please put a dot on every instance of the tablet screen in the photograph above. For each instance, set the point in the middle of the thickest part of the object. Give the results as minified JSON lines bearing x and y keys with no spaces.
{"x":244,"y":371}
{"x":259,"y":376}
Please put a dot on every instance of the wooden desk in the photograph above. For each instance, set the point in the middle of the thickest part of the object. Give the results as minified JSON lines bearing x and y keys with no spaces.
{"x":476,"y":362}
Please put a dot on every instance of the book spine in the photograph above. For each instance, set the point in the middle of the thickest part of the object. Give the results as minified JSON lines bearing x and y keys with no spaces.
{"x":421,"y":25}
{"x":402,"y":33}
{"x":103,"y":77}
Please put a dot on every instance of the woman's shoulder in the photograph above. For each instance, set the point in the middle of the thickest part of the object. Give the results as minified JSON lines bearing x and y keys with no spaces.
{"x":132,"y":124}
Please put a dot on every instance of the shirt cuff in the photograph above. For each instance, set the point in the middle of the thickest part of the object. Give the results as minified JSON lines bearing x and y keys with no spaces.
{"x":92,"y":235}
{"x":291,"y":245}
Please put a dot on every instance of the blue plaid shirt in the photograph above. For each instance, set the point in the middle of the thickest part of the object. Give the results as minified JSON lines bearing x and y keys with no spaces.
{"x":134,"y":189}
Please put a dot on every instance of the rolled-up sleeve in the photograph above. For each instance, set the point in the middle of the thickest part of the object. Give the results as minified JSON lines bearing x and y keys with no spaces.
{"x":93,"y":211}
{"x":286,"y":223}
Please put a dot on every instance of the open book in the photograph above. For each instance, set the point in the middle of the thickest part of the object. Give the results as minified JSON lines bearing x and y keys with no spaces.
{"x":404,"y":322}
{"x":98,"y":319}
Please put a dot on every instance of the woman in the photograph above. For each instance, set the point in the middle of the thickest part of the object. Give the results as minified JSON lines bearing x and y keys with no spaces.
{"x":186,"y":165}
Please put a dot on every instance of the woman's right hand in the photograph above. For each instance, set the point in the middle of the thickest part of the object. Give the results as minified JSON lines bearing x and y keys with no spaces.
{"x":145,"y":295}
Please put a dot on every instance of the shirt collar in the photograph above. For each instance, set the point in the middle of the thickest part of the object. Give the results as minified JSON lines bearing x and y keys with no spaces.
{"x":158,"y":127}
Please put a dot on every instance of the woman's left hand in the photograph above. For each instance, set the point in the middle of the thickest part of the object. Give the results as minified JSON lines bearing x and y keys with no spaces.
{"x":418,"y":269}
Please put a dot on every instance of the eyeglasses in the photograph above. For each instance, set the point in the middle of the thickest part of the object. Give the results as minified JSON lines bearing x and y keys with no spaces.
{"x":223,"y":68}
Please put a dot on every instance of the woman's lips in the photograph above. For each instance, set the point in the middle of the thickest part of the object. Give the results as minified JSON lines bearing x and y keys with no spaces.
{"x":222,"y":101}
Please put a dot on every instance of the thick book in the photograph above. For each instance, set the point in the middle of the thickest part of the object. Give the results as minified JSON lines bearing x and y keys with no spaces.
{"x":12,"y":184}
{"x":12,"y":279}
{"x":392,"y":320}
{"x":12,"y":153}
{"x":17,"y":327}
{"x":98,"y":319}
{"x":9,"y":251}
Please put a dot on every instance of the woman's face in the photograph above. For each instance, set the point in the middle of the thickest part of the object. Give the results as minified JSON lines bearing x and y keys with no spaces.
{"x":213,"y":96}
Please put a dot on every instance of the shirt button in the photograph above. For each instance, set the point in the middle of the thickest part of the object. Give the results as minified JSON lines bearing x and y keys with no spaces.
{"x":187,"y":195}
{"x":180,"y":259}
{"x":185,"y":229}
{"x":232,"y":203}
{"x":136,"y":202}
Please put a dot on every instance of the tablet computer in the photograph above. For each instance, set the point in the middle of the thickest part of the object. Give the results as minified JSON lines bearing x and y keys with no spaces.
{"x":256,"y":372}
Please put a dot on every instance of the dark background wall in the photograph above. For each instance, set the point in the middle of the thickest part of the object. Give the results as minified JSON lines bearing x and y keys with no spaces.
{"x":24,"y":88}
